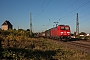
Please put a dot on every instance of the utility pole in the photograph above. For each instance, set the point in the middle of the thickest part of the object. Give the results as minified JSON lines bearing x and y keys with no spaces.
{"x":56,"y":23}
{"x":30,"y":24}
{"x":77,"y":25}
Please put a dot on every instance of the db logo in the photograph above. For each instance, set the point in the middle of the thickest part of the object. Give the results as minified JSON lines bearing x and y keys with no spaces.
{"x":64,"y":31}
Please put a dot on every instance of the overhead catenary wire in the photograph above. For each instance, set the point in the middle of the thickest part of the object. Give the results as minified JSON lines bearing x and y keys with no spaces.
{"x":64,"y":10}
{"x":79,"y":17}
{"x":40,"y":8}
{"x":75,"y":10}
{"x":43,"y":8}
{"x":68,"y":7}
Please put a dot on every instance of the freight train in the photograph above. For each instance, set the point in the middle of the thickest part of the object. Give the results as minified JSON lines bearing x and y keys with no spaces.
{"x":61,"y":32}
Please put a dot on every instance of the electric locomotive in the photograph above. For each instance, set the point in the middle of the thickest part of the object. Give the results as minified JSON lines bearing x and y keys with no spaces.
{"x":61,"y":32}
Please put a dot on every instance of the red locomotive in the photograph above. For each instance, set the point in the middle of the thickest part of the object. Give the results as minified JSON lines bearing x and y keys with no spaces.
{"x":61,"y":32}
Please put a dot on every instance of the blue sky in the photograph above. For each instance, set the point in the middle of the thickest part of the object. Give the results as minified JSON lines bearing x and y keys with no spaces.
{"x":45,"y":13}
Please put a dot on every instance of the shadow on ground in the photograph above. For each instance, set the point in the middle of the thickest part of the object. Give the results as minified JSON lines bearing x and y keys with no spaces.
{"x":30,"y":54}
{"x":74,"y":39}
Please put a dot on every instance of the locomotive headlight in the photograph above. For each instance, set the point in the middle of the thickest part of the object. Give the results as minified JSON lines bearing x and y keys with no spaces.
{"x":68,"y":32}
{"x":61,"y":32}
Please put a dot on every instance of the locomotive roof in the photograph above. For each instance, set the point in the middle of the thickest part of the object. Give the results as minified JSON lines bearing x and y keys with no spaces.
{"x":56,"y":27}
{"x":63,"y":25}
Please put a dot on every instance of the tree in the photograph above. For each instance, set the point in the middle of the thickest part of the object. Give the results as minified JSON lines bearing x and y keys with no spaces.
{"x":20,"y":29}
{"x":14,"y":29}
{"x":5,"y":33}
{"x":82,"y":33}
{"x":0,"y":29}
{"x":28,"y":30}
{"x":74,"y":33}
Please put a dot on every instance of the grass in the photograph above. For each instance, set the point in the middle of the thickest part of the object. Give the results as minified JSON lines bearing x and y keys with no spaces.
{"x":40,"y":49}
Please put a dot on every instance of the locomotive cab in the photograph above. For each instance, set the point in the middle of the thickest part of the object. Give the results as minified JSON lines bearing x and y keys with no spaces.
{"x":64,"y":32}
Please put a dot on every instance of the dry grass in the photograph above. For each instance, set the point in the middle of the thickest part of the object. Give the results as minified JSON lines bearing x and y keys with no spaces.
{"x":40,"y":49}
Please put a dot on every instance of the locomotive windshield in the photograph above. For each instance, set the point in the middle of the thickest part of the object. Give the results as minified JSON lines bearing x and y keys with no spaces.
{"x":64,"y":28}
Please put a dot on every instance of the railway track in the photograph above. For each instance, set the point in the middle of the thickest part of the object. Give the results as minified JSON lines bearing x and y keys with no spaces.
{"x":84,"y":47}
{"x":80,"y":46}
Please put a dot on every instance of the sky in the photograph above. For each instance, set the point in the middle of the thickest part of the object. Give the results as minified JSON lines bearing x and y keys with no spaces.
{"x":45,"y":13}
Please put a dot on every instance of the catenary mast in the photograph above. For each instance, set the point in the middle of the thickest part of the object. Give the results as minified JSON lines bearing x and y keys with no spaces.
{"x":77,"y":25}
{"x":30,"y":24}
